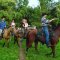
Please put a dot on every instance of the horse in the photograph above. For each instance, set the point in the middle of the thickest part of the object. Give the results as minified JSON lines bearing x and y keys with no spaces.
{"x":53,"y":39}
{"x":18,"y":34}
{"x":6,"y":36}
{"x":30,"y":38}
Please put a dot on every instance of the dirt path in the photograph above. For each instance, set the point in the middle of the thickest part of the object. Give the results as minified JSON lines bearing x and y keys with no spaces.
{"x":22,"y":53}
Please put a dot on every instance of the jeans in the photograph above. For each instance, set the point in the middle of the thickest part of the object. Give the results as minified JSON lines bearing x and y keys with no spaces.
{"x":46,"y":33}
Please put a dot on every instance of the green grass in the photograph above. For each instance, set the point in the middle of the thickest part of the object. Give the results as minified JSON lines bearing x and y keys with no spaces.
{"x":41,"y":55}
{"x":11,"y":53}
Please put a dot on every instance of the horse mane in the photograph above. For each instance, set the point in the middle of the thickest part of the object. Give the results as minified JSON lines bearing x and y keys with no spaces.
{"x":54,"y":27}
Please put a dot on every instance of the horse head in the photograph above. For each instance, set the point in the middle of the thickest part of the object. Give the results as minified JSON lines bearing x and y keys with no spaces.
{"x":20,"y":32}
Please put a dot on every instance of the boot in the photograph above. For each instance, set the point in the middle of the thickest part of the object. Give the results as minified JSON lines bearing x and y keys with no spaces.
{"x":49,"y":44}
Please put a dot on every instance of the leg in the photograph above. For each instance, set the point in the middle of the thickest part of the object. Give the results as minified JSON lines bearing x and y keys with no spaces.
{"x":49,"y":53}
{"x":15,"y":39}
{"x":18,"y":41}
{"x":8,"y":43}
{"x":47,"y":36}
{"x":26,"y":49}
{"x":27,"y":44}
{"x":53,"y":50}
{"x":4,"y":44}
{"x":36,"y":44}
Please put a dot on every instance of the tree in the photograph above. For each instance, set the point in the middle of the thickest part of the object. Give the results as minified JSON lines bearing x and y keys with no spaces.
{"x":43,"y":5}
{"x":20,"y":3}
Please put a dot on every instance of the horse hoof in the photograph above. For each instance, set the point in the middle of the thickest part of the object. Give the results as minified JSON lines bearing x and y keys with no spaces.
{"x":54,"y":56}
{"x":2,"y":46}
{"x":7,"y":46}
{"x":47,"y":54}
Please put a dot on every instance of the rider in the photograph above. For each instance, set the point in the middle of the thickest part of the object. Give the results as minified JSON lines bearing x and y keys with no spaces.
{"x":13,"y":24}
{"x":25,"y":23}
{"x":25,"y":26}
{"x":2,"y":25}
{"x":45,"y":22}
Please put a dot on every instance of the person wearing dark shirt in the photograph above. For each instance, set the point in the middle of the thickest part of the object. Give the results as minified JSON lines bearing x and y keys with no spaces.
{"x":2,"y":25}
{"x":45,"y":23}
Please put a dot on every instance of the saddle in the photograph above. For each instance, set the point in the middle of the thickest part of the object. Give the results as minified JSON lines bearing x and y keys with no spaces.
{"x":41,"y":36}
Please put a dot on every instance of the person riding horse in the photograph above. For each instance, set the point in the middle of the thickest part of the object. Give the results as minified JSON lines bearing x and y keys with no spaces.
{"x":25,"y":26}
{"x":45,"y":23}
{"x":13,"y":24}
{"x":2,"y":26}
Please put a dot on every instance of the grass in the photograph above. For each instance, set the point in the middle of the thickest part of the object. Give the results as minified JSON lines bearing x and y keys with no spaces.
{"x":11,"y":53}
{"x":41,"y":55}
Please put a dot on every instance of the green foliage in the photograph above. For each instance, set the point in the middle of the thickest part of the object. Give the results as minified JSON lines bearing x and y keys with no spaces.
{"x":8,"y":9}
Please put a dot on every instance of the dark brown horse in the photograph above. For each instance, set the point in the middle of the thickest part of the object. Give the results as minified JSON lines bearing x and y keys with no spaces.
{"x":53,"y":39}
{"x":18,"y":34}
{"x":33,"y":37}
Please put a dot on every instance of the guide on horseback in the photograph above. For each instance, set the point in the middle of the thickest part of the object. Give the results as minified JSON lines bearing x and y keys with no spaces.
{"x":13,"y":24}
{"x":2,"y":26}
{"x":25,"y":23}
{"x":45,"y":30}
{"x":25,"y":26}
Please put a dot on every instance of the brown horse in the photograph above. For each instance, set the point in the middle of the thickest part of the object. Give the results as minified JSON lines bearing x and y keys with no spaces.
{"x":53,"y":40}
{"x":6,"y":36}
{"x":18,"y":34}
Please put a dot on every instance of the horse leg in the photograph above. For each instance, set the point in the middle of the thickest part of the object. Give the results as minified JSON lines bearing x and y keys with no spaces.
{"x":27,"y":49}
{"x":15,"y":39}
{"x":53,"y":50}
{"x":49,"y":53}
{"x":4,"y":44}
{"x":18,"y":41}
{"x":7,"y":43}
{"x":36,"y":44}
{"x":27,"y":42}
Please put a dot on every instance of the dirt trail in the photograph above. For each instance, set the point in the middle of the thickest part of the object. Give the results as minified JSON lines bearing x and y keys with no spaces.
{"x":22,"y":53}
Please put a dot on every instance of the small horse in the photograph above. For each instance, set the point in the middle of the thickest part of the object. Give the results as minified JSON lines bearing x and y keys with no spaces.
{"x":6,"y":36}
{"x":53,"y":40}
{"x":18,"y":34}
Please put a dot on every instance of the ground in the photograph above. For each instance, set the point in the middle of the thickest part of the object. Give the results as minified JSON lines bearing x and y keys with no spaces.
{"x":22,"y":52}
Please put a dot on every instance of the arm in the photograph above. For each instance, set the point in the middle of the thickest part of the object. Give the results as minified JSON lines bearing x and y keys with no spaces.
{"x":48,"y":21}
{"x":23,"y":25}
{"x":51,"y":20}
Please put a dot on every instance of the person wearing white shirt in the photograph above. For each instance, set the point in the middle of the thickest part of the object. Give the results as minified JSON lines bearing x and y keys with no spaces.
{"x":13,"y":24}
{"x":25,"y":24}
